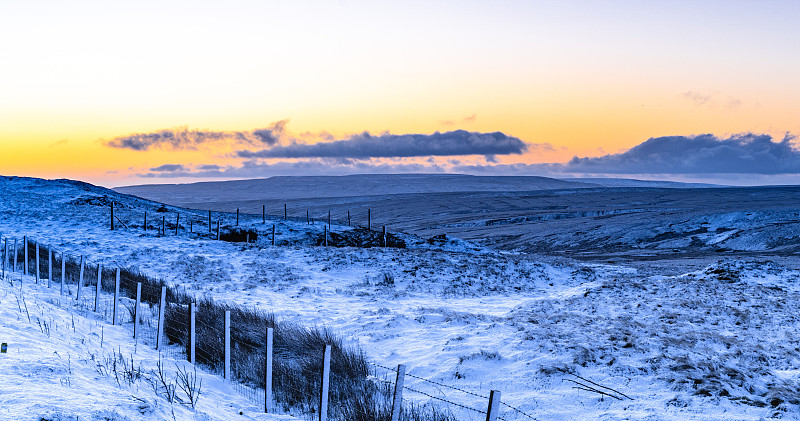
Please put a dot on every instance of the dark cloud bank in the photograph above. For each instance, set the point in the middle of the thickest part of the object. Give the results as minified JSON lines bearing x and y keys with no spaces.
{"x":183,"y":138}
{"x":459,"y":142}
{"x":702,"y":154}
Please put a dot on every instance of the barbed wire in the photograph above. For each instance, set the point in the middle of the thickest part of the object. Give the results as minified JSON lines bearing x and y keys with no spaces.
{"x":444,"y":400}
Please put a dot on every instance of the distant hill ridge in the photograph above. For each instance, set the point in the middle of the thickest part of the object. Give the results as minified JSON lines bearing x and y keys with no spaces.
{"x":298,"y":187}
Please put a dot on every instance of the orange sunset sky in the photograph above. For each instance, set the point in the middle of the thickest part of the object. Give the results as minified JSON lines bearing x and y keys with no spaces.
{"x":566,"y":78}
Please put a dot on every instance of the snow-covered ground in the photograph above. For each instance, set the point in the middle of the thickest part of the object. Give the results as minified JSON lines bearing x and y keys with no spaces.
{"x":714,"y":343}
{"x":64,"y":363}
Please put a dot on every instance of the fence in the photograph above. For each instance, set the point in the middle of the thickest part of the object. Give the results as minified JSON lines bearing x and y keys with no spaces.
{"x":211,"y":225}
{"x":282,"y":365}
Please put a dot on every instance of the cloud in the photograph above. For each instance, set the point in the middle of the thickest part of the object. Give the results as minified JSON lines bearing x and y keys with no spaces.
{"x":466,"y":120}
{"x":711,"y":100}
{"x":459,"y":142}
{"x":698,"y":98}
{"x":168,"y":168}
{"x":702,"y":154}
{"x":183,"y":138}
{"x":272,"y":134}
{"x":252,"y":169}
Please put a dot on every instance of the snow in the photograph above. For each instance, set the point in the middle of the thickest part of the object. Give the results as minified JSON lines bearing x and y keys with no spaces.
{"x":714,"y":343}
{"x":58,"y":367}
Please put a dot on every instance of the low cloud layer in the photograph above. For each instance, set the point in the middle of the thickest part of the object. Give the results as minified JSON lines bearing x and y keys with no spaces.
{"x":459,"y":142}
{"x":183,"y":138}
{"x":252,"y":169}
{"x":702,"y":154}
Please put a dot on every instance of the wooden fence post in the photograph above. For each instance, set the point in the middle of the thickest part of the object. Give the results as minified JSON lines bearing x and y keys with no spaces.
{"x":15,"y":255}
{"x":136,"y":313}
{"x":209,"y":222}
{"x":25,"y":265}
{"x":326,"y":378}
{"x":218,"y":223}
{"x":237,"y":217}
{"x":97,"y":287}
{"x":112,"y":216}
{"x":177,"y":223}
{"x":384,"y":235}
{"x":227,"y":372}
{"x":369,"y":219}
{"x":49,"y":266}
{"x":163,"y":225}
{"x":268,"y":372}
{"x":63,"y":272}
{"x":116,"y":299}
{"x":348,"y":218}
{"x":273,"y":235}
{"x":191,"y":227}
{"x":284,"y":211}
{"x":329,"y":219}
{"x":80,"y":282}
{"x":5,"y":257}
{"x":145,"y":221}
{"x":325,"y":230}
{"x":192,"y":334}
{"x":494,"y":405}
{"x":308,"y":220}
{"x":397,"y":401}
{"x":263,"y":214}
{"x":38,"y":274}
{"x":161,"y":308}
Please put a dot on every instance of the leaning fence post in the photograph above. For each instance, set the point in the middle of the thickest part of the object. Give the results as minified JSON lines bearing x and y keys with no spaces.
{"x":494,"y":405}
{"x":273,"y":235}
{"x":116,"y":299}
{"x":49,"y":266}
{"x":136,"y":313}
{"x":80,"y":282}
{"x":37,"y":263}
{"x":97,"y":287}
{"x":5,"y":257}
{"x":268,"y":372}
{"x":63,"y":273}
{"x":397,"y":401}
{"x":192,"y":334}
{"x":227,"y":372}
{"x":161,"y":308}
{"x":112,"y":216}
{"x":177,"y":223}
{"x":25,"y":265}
{"x":326,"y":378}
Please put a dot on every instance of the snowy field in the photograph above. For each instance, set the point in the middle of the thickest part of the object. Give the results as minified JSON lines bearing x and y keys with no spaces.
{"x":712,"y":340}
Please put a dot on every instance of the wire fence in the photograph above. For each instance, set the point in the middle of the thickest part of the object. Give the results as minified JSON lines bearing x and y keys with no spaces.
{"x":230,"y":340}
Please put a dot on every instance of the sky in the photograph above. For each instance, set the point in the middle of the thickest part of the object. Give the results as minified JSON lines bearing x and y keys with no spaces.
{"x":120,"y":93}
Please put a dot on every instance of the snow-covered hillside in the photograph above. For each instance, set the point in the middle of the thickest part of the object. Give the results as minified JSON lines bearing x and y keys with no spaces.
{"x":64,"y":363}
{"x":715,"y":342}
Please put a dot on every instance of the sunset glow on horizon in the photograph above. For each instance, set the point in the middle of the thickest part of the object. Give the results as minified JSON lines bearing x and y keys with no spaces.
{"x":573,"y":78}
